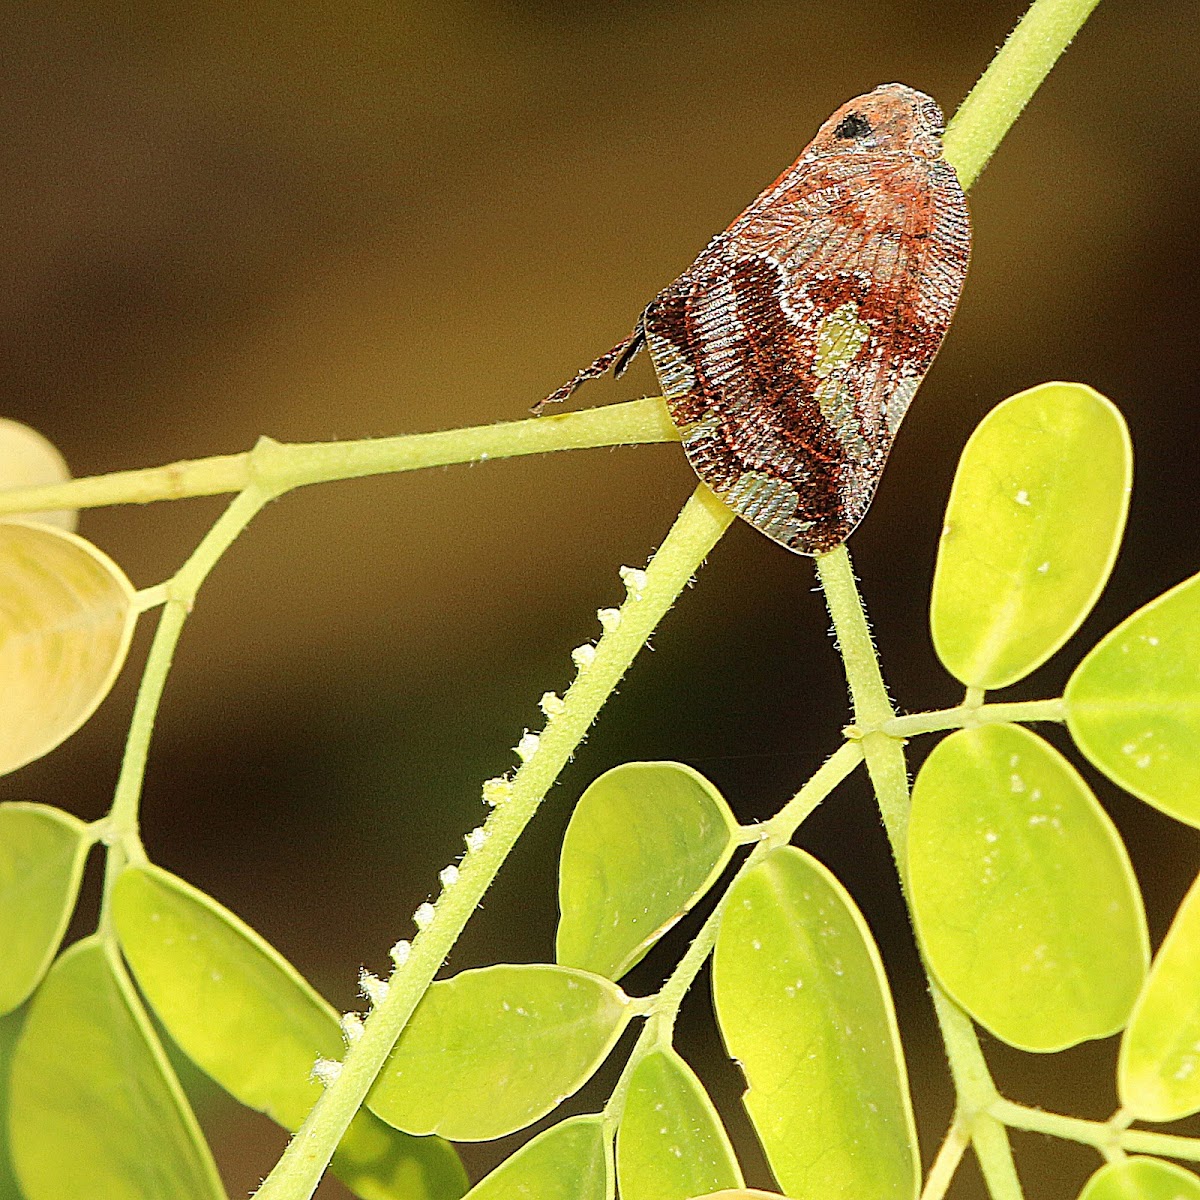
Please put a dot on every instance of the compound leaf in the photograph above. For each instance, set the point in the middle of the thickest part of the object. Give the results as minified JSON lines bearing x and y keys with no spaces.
{"x":95,"y":1109}
{"x":66,"y":619}
{"x":1158,"y":1069}
{"x":804,"y":1007}
{"x":671,"y":1144}
{"x":645,"y":842}
{"x":243,"y":1014}
{"x":1133,"y":704}
{"x":1032,"y":529}
{"x":42,"y":852}
{"x":488,"y":1052}
{"x":566,"y":1162}
{"x":1023,"y":894}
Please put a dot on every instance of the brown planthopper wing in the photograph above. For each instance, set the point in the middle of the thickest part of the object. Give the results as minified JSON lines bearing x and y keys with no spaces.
{"x":790,"y":350}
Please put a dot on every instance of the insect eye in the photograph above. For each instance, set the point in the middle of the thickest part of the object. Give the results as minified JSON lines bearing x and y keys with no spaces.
{"x":853,"y":126}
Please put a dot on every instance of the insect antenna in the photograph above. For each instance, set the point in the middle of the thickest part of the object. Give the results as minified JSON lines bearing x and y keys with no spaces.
{"x":618,"y":358}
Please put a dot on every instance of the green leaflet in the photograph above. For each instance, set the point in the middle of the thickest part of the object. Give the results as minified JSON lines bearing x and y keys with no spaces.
{"x":95,"y":1109}
{"x":671,"y":1144}
{"x":10,"y":1030}
{"x":1141,"y":1179}
{"x":645,"y":842}
{"x":566,"y":1162}
{"x":67,"y":614}
{"x":1023,"y":895}
{"x":1133,"y":704}
{"x":489,"y":1052}
{"x":42,"y":852}
{"x":246,"y":1017}
{"x":1032,"y":529}
{"x":1158,"y":1070}
{"x":804,"y":1007}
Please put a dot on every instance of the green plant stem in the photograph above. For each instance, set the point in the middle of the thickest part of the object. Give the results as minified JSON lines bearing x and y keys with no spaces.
{"x":121,"y":825}
{"x":699,"y":526}
{"x":949,"y":1155}
{"x":989,"y":1137}
{"x":279,"y":465}
{"x":995,"y":102}
{"x":968,"y":716}
{"x":1100,"y":1134}
{"x":775,"y":832}
{"x":889,"y":776}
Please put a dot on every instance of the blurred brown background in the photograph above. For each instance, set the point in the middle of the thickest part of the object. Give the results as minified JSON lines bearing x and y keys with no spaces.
{"x":318,"y":220}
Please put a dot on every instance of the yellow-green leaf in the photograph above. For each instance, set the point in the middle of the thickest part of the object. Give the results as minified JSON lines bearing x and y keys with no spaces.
{"x":240,"y":1011}
{"x":1023,"y":895}
{"x":1133,"y":704}
{"x":66,"y":619}
{"x":804,"y":1007}
{"x":95,"y":1109}
{"x":10,"y":1031}
{"x":42,"y":852}
{"x":671,"y":1144}
{"x":1158,"y":1070}
{"x":1032,"y":529}
{"x":27,"y":459}
{"x":488,"y":1052}
{"x":1141,"y":1179}
{"x":566,"y":1162}
{"x":645,"y":842}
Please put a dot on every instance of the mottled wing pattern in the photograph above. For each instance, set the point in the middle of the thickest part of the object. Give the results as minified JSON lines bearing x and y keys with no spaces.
{"x":789,"y":351}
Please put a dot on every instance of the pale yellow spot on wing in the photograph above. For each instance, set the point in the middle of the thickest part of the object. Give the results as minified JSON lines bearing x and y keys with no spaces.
{"x":840,"y":336}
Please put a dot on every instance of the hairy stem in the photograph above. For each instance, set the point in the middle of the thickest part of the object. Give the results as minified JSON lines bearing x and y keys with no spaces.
{"x":957,"y":1139}
{"x":280,"y":465}
{"x":889,"y":776}
{"x":969,"y":716}
{"x":121,"y":825}
{"x":1100,"y":1134}
{"x":703,"y":519}
{"x":995,"y":102}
